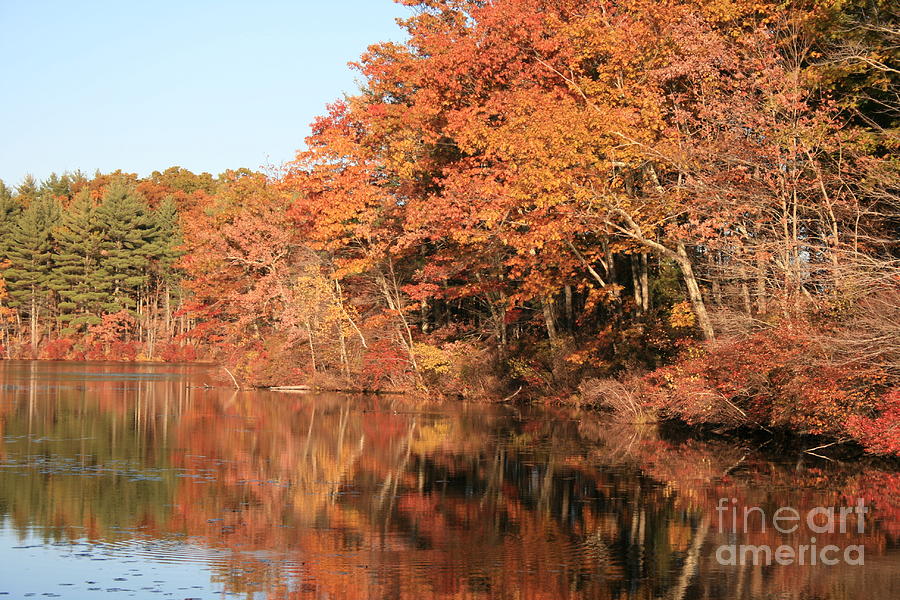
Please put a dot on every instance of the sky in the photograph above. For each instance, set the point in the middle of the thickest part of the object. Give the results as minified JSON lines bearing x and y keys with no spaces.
{"x":142,"y":86}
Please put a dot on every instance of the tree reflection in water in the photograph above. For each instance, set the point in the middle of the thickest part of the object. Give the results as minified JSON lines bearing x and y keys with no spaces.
{"x":333,"y":496}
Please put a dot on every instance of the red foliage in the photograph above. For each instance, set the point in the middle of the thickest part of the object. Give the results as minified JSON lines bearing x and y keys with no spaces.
{"x":778,"y":378}
{"x":124,"y":351}
{"x":174,"y":352}
{"x":95,"y":351}
{"x":115,"y":326}
{"x":383,"y":363}
{"x":879,"y":434}
{"x":57,"y":349}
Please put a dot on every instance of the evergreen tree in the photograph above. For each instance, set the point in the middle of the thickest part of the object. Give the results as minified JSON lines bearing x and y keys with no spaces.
{"x":10,"y":209}
{"x":9,"y":213}
{"x":78,"y":277}
{"x":128,"y":245}
{"x":27,"y":191}
{"x":169,"y":239}
{"x":30,"y":260}
{"x":167,"y":253}
{"x":59,"y":186}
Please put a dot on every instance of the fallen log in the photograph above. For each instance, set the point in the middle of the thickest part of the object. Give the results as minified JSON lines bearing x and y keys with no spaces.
{"x":308,"y":388}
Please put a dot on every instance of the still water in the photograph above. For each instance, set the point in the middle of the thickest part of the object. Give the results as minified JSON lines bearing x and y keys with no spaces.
{"x":121,"y":480}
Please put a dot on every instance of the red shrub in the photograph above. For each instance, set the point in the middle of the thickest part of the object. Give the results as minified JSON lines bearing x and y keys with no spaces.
{"x":57,"y":349}
{"x":173,"y":352}
{"x":879,"y":434}
{"x":188,"y":353}
{"x":95,"y":350}
{"x":777,"y":378}
{"x":732,"y":381}
{"x":123,"y":351}
{"x":383,"y":364}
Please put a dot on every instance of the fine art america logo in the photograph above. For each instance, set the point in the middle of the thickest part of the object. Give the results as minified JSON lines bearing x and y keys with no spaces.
{"x":787,"y":520}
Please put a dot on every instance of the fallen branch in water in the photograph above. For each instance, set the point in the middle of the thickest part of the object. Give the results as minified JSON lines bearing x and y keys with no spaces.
{"x":511,"y":396}
{"x":236,"y":385}
{"x":816,"y":454}
{"x":307,"y":388}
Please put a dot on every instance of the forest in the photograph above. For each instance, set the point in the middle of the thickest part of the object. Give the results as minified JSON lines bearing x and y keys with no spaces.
{"x":667,"y":210}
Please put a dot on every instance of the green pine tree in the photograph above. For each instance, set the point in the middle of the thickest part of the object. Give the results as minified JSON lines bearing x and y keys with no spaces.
{"x":78,"y":277}
{"x":30,"y":260}
{"x":129,"y":244}
{"x":10,"y":209}
{"x":5,"y":192}
{"x":27,"y":191}
{"x":166,"y":254}
{"x":169,"y":239}
{"x":59,"y":186}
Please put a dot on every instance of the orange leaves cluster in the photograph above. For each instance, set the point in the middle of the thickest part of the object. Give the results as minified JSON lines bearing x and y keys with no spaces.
{"x":502,"y":133}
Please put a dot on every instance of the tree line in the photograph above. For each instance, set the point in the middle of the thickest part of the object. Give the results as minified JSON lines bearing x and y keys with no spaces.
{"x":87,"y":256}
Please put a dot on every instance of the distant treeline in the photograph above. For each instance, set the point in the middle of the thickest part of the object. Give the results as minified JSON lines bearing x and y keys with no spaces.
{"x":94,"y":260}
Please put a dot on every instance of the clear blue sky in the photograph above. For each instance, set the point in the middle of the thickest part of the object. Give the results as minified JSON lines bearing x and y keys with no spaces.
{"x":141,"y":86}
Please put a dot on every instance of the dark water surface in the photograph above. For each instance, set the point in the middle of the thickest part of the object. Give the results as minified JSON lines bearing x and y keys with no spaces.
{"x":121,"y":480}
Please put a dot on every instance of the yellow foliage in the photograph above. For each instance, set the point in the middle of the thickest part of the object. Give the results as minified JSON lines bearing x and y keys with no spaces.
{"x":682,"y":315}
{"x":432,"y":359}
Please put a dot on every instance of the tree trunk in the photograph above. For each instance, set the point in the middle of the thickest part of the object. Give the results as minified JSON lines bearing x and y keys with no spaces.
{"x":694,"y":293}
{"x":423,"y":308}
{"x":391,"y":293}
{"x":680,"y":256}
{"x":345,"y":361}
{"x":34,"y":324}
{"x":636,"y":284}
{"x":312,"y":347}
{"x":761,"y":286}
{"x":339,"y":297}
{"x":645,"y":283}
{"x":745,"y":290}
{"x":745,"y":297}
{"x":168,"y":312}
{"x":549,"y":320}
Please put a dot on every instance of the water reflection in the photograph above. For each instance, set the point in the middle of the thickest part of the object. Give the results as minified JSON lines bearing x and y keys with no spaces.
{"x":257,"y":494}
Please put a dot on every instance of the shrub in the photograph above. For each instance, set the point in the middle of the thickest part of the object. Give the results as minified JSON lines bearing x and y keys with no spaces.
{"x":59,"y":349}
{"x":879,"y":434}
{"x":467,"y":370}
{"x":174,"y":352}
{"x":123,"y":351}
{"x":384,"y":364}
{"x":779,"y":378}
{"x":627,"y":401}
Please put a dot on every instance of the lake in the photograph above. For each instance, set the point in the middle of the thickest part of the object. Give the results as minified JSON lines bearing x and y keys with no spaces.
{"x":135,"y":480}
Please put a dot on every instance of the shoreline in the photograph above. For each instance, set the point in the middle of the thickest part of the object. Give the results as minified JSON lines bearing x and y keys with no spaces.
{"x":778,"y":441}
